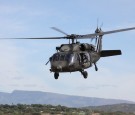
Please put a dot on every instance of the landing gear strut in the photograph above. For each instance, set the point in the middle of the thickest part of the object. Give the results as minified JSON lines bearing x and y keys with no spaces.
{"x":85,"y":74}
{"x":56,"y":75}
{"x":96,"y":67}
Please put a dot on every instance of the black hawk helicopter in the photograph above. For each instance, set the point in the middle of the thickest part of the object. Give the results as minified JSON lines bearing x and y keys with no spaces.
{"x":76,"y":56}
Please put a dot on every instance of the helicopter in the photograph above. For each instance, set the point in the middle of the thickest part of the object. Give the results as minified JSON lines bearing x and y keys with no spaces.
{"x":75,"y":56}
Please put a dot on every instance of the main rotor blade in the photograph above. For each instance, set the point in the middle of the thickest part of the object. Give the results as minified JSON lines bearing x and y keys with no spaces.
{"x":86,"y":36}
{"x":119,"y":30}
{"x":107,"y":32}
{"x":39,"y":38}
{"x":54,"y":28}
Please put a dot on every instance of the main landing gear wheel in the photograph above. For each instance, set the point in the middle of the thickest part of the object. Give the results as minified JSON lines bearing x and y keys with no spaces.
{"x":56,"y":75}
{"x":85,"y":74}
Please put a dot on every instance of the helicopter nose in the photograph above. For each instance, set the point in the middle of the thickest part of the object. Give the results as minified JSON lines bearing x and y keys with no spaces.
{"x":59,"y":67}
{"x":70,"y":64}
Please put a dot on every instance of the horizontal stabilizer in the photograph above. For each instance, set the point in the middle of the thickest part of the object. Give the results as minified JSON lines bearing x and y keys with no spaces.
{"x":106,"y":53}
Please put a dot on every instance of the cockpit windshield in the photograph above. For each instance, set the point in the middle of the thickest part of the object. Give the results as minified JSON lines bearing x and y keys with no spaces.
{"x":62,"y":57}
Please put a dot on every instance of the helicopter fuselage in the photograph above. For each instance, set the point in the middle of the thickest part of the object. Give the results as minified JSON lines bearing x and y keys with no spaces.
{"x":73,"y":57}
{"x":77,"y":56}
{"x":73,"y":61}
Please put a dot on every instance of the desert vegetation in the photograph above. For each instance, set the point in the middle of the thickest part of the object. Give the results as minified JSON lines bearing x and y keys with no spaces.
{"x":37,"y":109}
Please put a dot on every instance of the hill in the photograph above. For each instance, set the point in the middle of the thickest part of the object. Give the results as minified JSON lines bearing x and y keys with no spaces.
{"x":37,"y":97}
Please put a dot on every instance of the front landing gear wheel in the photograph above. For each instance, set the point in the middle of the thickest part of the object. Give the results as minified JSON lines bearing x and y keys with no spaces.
{"x":85,"y":74}
{"x":56,"y":75}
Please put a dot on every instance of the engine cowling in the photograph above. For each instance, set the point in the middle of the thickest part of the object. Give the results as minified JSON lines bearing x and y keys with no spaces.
{"x":86,"y":46}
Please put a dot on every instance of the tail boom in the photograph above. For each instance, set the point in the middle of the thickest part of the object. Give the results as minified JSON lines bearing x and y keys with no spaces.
{"x":106,"y":53}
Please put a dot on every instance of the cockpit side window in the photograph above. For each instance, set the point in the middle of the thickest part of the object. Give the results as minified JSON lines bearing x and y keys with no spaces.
{"x":67,"y":57}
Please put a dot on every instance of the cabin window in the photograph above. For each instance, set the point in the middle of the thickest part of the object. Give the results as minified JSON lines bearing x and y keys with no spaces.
{"x":84,"y":57}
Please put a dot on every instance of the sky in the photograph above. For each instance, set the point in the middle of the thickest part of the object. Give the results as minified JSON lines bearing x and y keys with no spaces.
{"x":22,"y":62}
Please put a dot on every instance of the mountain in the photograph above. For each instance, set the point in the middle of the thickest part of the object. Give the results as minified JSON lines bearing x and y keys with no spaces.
{"x":37,"y":97}
{"x":128,"y":108}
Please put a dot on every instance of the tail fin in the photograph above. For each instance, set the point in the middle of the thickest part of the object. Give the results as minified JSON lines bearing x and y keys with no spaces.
{"x":99,"y":44}
{"x":98,"y":40}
